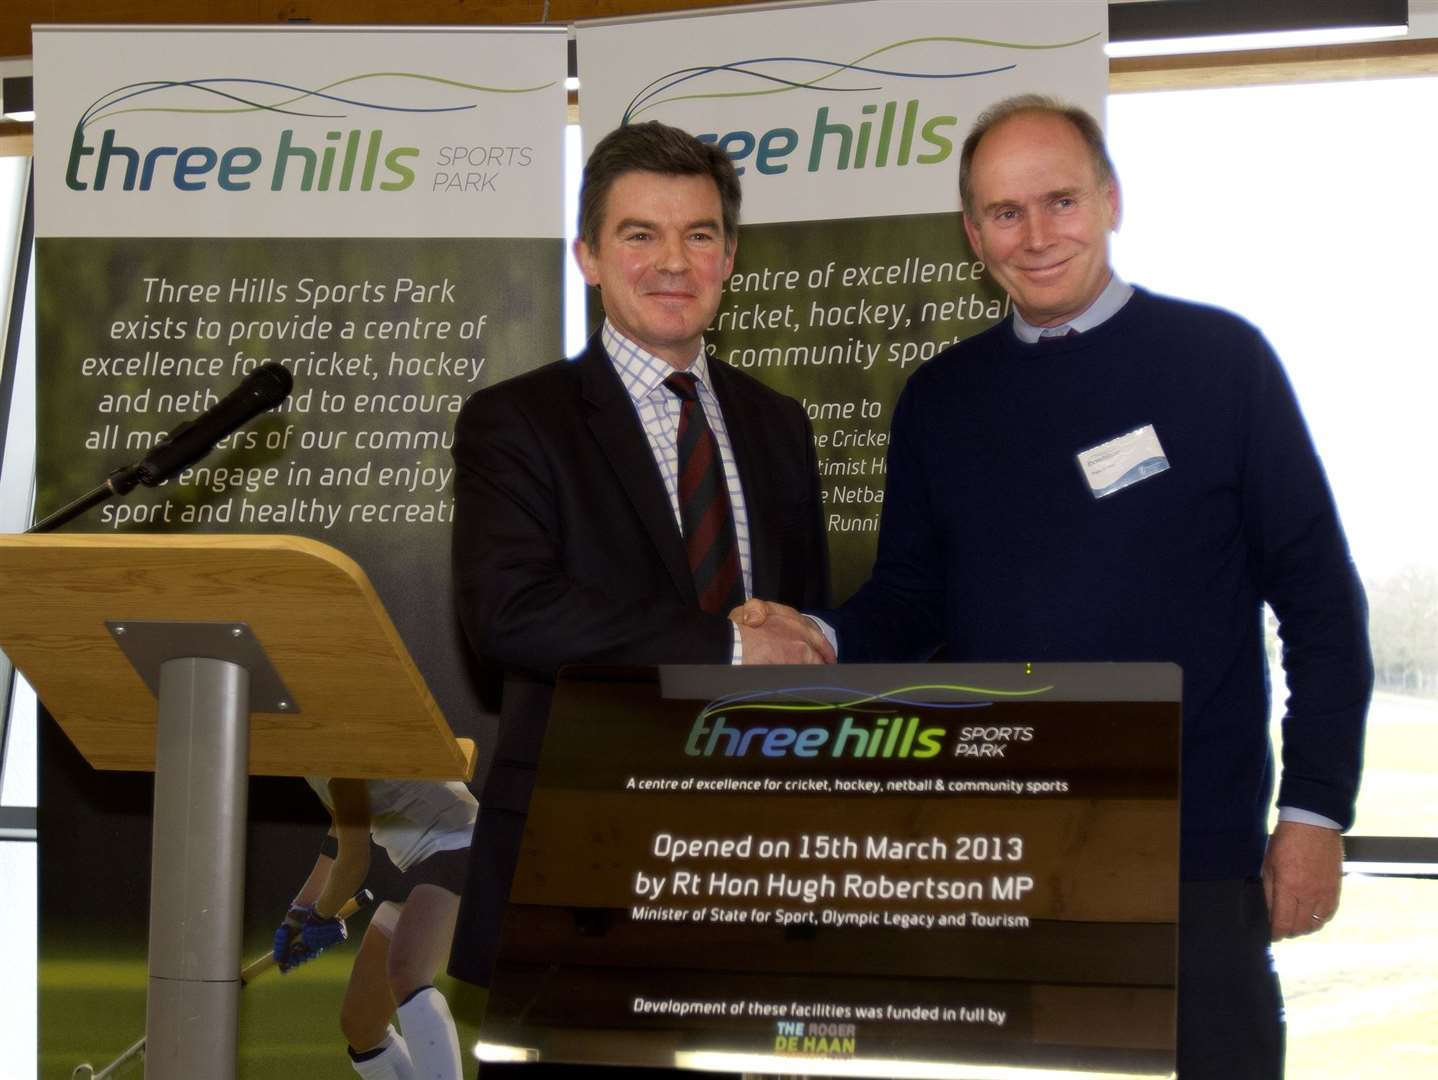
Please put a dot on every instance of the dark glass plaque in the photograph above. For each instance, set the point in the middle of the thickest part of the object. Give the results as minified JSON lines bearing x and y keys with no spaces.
{"x":950,"y":864}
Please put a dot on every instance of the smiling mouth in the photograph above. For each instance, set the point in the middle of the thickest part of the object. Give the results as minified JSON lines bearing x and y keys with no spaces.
{"x":1051,"y":270}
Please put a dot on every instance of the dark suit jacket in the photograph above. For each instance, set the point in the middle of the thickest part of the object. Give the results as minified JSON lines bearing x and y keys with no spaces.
{"x":566,"y":551}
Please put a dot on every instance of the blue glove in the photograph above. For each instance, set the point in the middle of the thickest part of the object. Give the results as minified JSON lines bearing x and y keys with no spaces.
{"x":286,"y":933}
{"x":304,"y":935}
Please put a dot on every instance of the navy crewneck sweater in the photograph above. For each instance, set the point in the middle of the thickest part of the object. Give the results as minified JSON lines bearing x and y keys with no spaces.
{"x":992,"y":542}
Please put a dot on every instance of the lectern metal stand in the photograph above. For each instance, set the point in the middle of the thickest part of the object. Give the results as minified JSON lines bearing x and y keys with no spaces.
{"x":201,"y":773}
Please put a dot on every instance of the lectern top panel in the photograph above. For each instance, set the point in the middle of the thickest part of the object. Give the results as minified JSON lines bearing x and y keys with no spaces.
{"x":366,"y":709}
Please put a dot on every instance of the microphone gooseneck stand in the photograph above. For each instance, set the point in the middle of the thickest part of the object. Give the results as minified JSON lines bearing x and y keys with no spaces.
{"x":262,"y":389}
{"x":120,"y":482}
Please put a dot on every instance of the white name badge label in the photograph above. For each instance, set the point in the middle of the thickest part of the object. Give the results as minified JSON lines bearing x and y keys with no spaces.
{"x":1122,"y":461}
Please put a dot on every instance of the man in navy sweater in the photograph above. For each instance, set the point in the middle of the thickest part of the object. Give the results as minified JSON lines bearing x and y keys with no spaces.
{"x":1115,"y":475}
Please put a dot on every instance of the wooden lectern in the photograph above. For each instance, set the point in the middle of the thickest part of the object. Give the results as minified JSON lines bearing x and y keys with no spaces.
{"x":269,"y":655}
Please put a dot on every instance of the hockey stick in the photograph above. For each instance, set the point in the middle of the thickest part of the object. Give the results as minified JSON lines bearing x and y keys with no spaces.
{"x":258,"y":966}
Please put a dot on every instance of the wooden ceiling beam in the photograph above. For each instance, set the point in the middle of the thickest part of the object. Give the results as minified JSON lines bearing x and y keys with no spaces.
{"x":1329,"y":63}
{"x":20,"y":15}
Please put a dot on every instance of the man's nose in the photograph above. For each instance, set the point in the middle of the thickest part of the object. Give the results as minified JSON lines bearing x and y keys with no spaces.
{"x":673,"y":256}
{"x":1036,"y":230}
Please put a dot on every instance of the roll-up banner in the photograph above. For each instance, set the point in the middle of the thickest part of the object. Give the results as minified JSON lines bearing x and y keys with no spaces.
{"x":379,"y":212}
{"x":845,"y":121}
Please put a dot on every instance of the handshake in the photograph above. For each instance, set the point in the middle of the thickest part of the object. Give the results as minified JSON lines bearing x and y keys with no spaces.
{"x":773,"y":633}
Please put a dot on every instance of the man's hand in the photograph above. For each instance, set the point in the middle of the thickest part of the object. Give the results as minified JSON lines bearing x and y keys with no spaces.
{"x":773,"y":633}
{"x":1302,"y":875}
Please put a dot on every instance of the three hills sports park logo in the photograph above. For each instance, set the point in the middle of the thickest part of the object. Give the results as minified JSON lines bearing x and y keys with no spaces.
{"x":866,"y":117}
{"x":854,"y":724}
{"x":323,"y":139}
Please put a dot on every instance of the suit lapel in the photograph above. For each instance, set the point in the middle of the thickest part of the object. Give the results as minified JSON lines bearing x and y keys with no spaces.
{"x":746,"y":440}
{"x":615,"y":426}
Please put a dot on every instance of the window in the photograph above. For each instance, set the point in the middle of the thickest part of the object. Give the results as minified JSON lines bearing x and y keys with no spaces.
{"x":1302,"y":208}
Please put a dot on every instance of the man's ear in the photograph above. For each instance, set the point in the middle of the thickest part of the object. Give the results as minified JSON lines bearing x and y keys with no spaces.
{"x":588,"y":262}
{"x":972,"y":232}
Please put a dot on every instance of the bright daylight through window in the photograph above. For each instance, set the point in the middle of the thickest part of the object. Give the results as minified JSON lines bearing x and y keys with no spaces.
{"x":1301,"y":208}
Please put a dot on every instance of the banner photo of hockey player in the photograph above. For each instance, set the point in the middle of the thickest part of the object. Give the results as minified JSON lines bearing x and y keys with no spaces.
{"x":845,"y":121}
{"x":379,"y":213}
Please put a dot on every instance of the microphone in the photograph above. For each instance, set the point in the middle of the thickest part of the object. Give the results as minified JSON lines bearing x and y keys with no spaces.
{"x":263,"y":389}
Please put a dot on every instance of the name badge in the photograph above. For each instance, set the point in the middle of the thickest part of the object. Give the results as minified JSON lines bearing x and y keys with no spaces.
{"x":1122,"y":461}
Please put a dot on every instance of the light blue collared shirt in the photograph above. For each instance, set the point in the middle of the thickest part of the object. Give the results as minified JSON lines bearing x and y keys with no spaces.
{"x":1105,"y":306}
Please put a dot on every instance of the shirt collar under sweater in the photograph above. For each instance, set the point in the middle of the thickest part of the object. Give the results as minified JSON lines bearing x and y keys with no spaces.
{"x":1107,"y":304}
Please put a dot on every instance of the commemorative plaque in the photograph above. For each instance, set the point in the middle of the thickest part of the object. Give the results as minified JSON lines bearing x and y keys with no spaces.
{"x":860,"y":870}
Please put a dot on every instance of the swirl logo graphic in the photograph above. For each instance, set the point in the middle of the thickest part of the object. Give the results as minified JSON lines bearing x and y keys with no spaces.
{"x":237,"y":96}
{"x":762,"y":76}
{"x":833,"y":699}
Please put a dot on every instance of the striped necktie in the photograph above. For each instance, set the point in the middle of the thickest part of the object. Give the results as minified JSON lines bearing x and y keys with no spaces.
{"x":704,"y":511}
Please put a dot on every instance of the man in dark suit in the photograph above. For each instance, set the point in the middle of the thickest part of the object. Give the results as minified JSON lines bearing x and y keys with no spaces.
{"x":616,"y":508}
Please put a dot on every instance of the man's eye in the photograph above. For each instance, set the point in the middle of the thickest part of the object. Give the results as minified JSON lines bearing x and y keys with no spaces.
{"x":1006,"y":217}
{"x":1065,"y":202}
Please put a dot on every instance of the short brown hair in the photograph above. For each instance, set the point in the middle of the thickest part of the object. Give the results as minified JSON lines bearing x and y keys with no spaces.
{"x":657,"y":148}
{"x":1019,"y":104}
